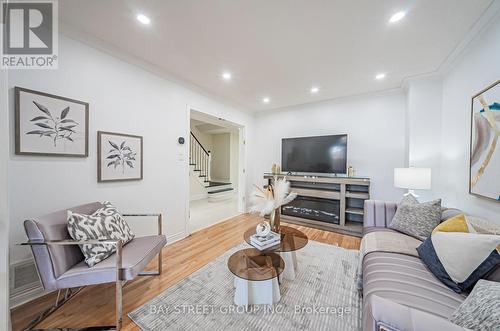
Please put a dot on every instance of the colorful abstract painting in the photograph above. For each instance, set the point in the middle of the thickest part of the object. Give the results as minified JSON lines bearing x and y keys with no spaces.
{"x":485,"y":150}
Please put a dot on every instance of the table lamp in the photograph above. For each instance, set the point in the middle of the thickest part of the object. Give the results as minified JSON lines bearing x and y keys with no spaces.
{"x":412,"y":179}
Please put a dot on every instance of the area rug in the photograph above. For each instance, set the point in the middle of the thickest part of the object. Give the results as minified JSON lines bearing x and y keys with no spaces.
{"x":323,"y":296}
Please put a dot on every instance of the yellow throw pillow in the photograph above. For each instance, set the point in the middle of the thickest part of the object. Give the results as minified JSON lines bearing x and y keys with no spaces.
{"x":462,"y":223}
{"x":455,"y":224}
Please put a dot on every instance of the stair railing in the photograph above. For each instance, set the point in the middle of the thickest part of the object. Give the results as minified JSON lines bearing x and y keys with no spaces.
{"x":200,"y":157}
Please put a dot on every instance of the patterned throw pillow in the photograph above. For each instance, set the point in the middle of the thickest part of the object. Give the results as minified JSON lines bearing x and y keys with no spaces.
{"x":416,"y":219}
{"x":460,"y":251}
{"x":116,"y":224}
{"x":104,"y":223}
{"x":481,"y":309}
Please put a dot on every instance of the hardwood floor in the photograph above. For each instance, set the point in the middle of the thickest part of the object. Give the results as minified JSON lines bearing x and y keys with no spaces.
{"x":95,"y":305}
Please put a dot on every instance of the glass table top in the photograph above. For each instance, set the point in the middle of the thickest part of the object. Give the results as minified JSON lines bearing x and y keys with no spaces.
{"x":291,"y":239}
{"x":252,"y":264}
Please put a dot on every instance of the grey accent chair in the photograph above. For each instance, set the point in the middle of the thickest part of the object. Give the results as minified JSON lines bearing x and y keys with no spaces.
{"x":61,"y":265}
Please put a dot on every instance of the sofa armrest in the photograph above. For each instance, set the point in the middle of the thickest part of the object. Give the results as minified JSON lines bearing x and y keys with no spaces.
{"x":159,"y":218}
{"x":378,"y":213}
{"x":383,"y":314}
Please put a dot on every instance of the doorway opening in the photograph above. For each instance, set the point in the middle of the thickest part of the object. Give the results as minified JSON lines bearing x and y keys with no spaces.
{"x":216,"y":184}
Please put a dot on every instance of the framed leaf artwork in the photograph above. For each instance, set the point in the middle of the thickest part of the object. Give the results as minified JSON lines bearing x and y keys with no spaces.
{"x":119,"y":157}
{"x":484,"y":175}
{"x":50,"y":125}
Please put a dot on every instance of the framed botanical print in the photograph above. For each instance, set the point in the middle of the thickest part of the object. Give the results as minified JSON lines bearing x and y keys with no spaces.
{"x":50,"y":125}
{"x":484,"y":174}
{"x":119,"y":157}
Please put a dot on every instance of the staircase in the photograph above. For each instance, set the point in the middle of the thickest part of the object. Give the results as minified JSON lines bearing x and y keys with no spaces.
{"x":200,"y":164}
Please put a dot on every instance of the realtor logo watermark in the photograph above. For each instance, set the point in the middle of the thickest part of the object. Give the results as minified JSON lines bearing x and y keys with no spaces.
{"x":29,"y":35}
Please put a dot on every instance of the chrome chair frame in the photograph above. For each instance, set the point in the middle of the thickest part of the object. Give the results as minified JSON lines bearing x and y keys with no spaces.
{"x":119,"y":275}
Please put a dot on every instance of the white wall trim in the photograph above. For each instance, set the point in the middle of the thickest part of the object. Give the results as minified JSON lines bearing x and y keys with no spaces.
{"x":4,"y":202}
{"x":219,"y":221}
{"x":482,"y":23}
{"x":99,"y":44}
{"x":176,"y":237}
{"x":353,"y":97}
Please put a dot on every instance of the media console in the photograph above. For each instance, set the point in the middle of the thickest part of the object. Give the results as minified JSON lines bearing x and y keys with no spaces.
{"x":328,"y":202}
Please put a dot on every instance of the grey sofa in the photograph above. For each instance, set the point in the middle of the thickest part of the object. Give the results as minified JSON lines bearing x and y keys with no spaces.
{"x":60,"y":262}
{"x":399,"y":292}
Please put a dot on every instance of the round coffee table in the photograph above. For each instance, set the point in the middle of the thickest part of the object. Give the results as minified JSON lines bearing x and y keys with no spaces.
{"x":291,"y":241}
{"x":256,"y":276}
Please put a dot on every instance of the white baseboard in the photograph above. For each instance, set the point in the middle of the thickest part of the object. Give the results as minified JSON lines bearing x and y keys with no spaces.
{"x":176,"y":237}
{"x":217,"y":222}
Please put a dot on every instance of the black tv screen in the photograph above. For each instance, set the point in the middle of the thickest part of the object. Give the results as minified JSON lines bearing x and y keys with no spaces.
{"x":322,"y":154}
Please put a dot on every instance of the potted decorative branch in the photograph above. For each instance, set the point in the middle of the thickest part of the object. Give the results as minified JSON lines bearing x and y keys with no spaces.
{"x":269,"y":201}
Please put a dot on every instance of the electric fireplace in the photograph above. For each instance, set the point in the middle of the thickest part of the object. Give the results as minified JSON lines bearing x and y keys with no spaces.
{"x":318,"y":209}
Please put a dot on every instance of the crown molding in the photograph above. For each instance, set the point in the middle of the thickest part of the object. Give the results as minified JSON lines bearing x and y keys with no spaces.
{"x":489,"y":16}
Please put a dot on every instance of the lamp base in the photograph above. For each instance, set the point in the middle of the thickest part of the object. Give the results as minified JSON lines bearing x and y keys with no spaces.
{"x":411,"y":192}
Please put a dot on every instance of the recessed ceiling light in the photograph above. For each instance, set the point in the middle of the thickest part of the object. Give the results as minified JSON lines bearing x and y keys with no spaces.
{"x":380,"y":76}
{"x":314,"y":90}
{"x":397,"y":17}
{"x":227,"y":75}
{"x":143,"y":19}
{"x":266,"y":100}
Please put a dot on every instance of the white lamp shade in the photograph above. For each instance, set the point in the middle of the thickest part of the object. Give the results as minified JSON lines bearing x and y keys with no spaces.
{"x":413,"y":178}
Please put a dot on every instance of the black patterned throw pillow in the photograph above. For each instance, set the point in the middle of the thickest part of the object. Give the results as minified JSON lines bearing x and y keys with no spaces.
{"x":104,"y":223}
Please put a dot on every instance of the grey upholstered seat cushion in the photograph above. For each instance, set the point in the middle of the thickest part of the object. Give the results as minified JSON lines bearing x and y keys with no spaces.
{"x":405,"y":280}
{"x":136,"y":255}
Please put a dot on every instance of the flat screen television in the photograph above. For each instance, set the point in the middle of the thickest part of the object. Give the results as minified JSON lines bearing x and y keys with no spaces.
{"x":321,"y":154}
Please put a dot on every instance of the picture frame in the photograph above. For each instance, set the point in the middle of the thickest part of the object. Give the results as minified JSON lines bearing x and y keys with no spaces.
{"x":119,"y":157}
{"x":484,"y":160}
{"x":50,"y":125}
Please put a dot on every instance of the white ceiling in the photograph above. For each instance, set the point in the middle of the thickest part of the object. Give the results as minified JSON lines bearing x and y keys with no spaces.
{"x":281,"y":48}
{"x":211,"y":125}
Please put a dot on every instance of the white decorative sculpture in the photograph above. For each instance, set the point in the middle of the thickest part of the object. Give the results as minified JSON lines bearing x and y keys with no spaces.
{"x":262,"y":229}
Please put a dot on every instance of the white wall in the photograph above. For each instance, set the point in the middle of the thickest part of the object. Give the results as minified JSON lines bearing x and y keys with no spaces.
{"x":476,"y":69}
{"x":196,"y":189}
{"x":424,"y":101}
{"x":234,"y":158}
{"x":123,"y":98}
{"x":375,"y":125}
{"x":221,"y":159}
{"x":4,"y":206}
